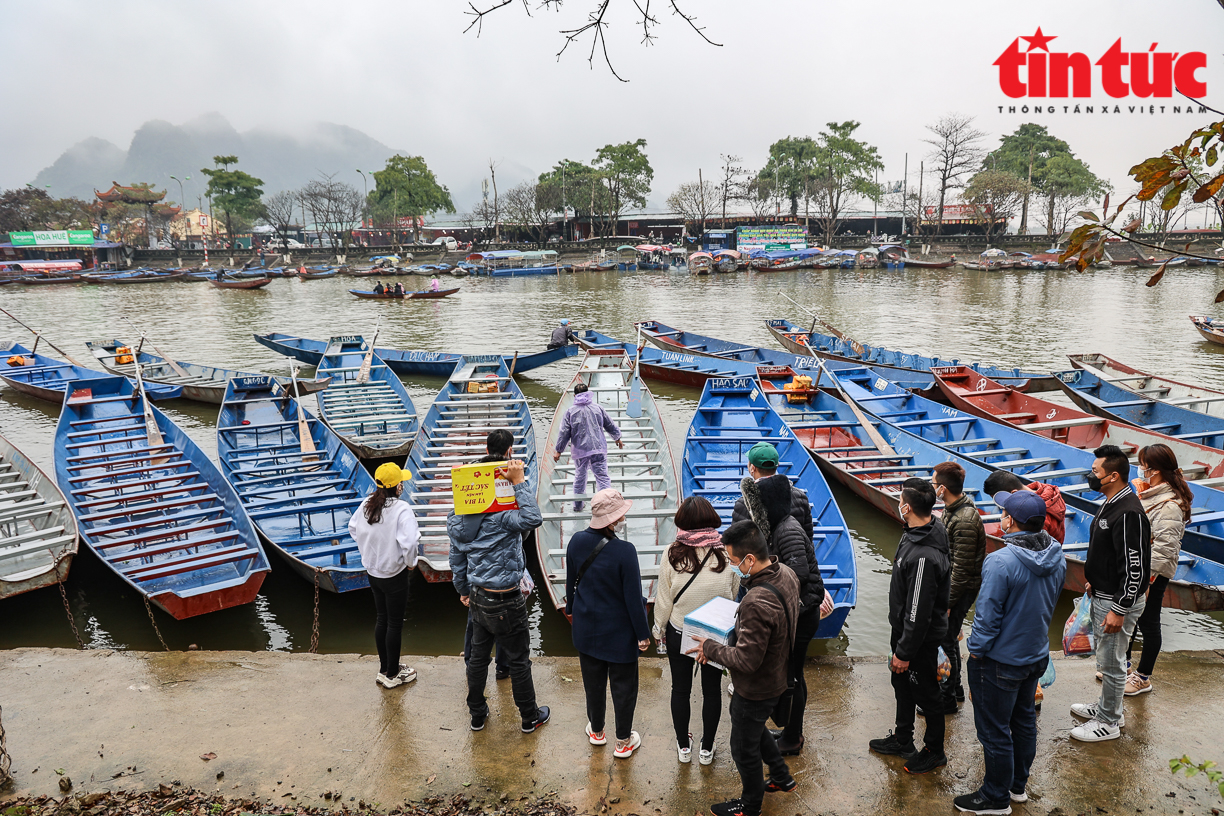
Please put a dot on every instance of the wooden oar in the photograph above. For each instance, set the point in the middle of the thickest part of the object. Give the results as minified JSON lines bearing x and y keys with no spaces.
{"x":38,"y":334}
{"x":363,"y":375}
{"x":179,"y":370}
{"x":304,"y":437}
{"x":513,"y":363}
{"x":876,"y":438}
{"x":153,"y":433}
{"x":858,"y":347}
{"x":633,"y":408}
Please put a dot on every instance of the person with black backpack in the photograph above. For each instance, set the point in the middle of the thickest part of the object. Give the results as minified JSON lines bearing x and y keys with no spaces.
{"x":603,"y":597}
{"x":758,"y":660}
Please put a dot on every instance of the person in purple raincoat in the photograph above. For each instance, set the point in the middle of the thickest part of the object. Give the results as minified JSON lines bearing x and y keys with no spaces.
{"x":583,"y":427}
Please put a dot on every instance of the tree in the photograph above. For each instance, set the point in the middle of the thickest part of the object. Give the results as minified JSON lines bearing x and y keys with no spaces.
{"x":791,"y":167}
{"x":842,"y":171}
{"x":578,"y":186}
{"x":236,"y":193}
{"x":758,"y":194}
{"x":1025,"y":155}
{"x":625,"y":174}
{"x":1069,"y":187}
{"x":278,"y":212}
{"x":19,"y":208}
{"x":995,"y":195}
{"x":334,"y":206}
{"x":406,"y":186}
{"x":697,"y":201}
{"x":530,"y":205}
{"x":732,"y":186}
{"x":955,"y":153}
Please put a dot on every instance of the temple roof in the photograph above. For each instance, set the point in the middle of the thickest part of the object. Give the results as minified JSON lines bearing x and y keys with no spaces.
{"x":130,"y":195}
{"x":167,"y":210}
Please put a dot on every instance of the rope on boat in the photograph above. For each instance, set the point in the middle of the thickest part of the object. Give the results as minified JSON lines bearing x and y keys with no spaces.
{"x":149,"y":609}
{"x":314,"y":632}
{"x":64,"y":595}
{"x":6,"y":762}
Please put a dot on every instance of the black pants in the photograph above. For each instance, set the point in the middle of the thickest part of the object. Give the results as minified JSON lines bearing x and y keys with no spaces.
{"x":502,"y":665}
{"x":1149,"y":627}
{"x":501,"y":618}
{"x":920,"y":686}
{"x":597,"y":675}
{"x":805,"y":630}
{"x":390,"y":602}
{"x":752,"y":744}
{"x":683,"y":667}
{"x":951,"y":647}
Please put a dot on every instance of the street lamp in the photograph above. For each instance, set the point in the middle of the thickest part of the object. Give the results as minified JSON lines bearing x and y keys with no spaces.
{"x":183,"y":200}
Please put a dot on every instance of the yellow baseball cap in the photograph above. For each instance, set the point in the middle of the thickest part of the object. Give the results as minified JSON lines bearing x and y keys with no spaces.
{"x":390,"y":474}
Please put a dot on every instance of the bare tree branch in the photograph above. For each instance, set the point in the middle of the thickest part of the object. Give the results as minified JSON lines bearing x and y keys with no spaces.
{"x":692,"y":21}
{"x":478,"y":16}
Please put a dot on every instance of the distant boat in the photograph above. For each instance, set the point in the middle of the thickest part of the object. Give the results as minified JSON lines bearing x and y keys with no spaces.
{"x":643,"y":471}
{"x":1210,"y":329}
{"x":151,"y":505}
{"x":366,"y":404}
{"x":317,"y":274}
{"x":700,"y":263}
{"x":254,"y":283}
{"x":38,"y":533}
{"x":423,"y":294}
{"x":300,"y":496}
{"x":48,"y":379}
{"x":1195,"y":397}
{"x":47,"y":280}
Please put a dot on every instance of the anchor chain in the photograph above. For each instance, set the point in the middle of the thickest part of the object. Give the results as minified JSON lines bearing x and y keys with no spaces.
{"x":314,"y":632}
{"x":67,"y":608}
{"x":153,"y":621}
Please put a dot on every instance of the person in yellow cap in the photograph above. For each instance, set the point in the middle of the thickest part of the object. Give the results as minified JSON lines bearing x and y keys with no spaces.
{"x":387,"y":537}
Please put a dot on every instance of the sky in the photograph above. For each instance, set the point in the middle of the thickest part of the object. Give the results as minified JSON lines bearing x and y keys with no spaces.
{"x":404,"y":72}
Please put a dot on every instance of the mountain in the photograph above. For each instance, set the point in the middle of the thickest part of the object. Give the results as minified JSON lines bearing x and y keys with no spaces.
{"x":160,"y":149}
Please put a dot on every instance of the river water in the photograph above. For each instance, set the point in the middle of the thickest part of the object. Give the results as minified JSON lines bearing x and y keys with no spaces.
{"x":1018,"y":318}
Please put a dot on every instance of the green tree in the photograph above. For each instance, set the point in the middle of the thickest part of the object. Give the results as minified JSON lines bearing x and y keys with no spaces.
{"x":791,"y":168}
{"x":843,"y":170}
{"x":1069,"y":186}
{"x":406,"y":186}
{"x":1026,"y":154}
{"x":572,"y":184}
{"x":995,"y":195}
{"x":625,"y":174}
{"x":236,"y":193}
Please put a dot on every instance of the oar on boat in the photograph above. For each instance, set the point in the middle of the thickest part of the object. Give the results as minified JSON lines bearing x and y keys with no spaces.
{"x":510,"y":377}
{"x":363,"y":375}
{"x":155,"y":439}
{"x":877,"y":438}
{"x":178,"y":369}
{"x":858,"y":347}
{"x":39,"y":336}
{"x":305,"y":439}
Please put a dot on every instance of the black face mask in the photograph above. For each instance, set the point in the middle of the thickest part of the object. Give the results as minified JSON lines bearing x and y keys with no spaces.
{"x":1094,"y":483}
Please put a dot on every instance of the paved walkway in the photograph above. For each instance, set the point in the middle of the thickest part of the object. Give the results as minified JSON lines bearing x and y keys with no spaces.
{"x":301,"y":725}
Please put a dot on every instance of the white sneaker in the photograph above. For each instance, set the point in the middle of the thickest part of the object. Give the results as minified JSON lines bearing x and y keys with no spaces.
{"x":407,"y":673}
{"x":1088,"y":711}
{"x":1095,"y":731}
{"x":596,"y":739}
{"x":706,"y":757}
{"x":1022,"y":796}
{"x":625,"y":751}
{"x":686,"y":754}
{"x":390,"y":682}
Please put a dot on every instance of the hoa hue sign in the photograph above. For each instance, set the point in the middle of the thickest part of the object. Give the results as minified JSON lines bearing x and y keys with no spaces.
{"x":1039,"y":73}
{"x":52,"y":238}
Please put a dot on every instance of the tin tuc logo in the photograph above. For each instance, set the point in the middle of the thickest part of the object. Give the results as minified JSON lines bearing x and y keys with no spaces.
{"x":1038,"y":72}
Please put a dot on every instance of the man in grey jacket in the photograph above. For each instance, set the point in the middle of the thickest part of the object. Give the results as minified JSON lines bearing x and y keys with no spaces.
{"x":486,"y":559}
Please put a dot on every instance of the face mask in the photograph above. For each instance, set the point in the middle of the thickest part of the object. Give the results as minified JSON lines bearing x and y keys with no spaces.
{"x":904,"y":511}
{"x":739,"y":572}
{"x":941,"y":496}
{"x":1094,"y":483}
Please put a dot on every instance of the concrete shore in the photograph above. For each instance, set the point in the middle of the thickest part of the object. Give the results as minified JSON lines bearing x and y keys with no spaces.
{"x":289,"y":727}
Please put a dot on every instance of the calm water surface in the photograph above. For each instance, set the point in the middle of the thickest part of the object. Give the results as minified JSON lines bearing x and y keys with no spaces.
{"x":1026,"y":319}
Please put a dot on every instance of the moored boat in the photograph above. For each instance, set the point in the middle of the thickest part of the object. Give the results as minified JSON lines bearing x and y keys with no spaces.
{"x":38,"y":533}
{"x":46,"y":378}
{"x":1187,"y":395}
{"x":700,"y":263}
{"x":1209,"y":328}
{"x":726,"y":260}
{"x":227,"y":283}
{"x":366,"y":405}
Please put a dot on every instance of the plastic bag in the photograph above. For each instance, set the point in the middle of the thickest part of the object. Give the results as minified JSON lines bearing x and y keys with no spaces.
{"x":526,"y":584}
{"x":1047,"y":679}
{"x":1077,"y":634}
{"x":944,"y":670}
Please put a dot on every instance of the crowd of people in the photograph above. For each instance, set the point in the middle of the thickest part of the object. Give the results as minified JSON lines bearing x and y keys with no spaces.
{"x":765,"y":559}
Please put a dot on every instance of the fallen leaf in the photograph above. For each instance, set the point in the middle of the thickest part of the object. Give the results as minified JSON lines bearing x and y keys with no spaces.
{"x":467,"y":784}
{"x":431,"y":778}
{"x":59,"y":771}
{"x":208,"y":756}
{"x":567,"y":679}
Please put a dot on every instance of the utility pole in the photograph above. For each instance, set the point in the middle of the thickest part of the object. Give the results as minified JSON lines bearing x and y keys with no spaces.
{"x":921,"y":173}
{"x":701,"y":192}
{"x":875,"y":206}
{"x":365,"y":197}
{"x":564,"y":207}
{"x":904,"y":193}
{"x":1024,"y":210}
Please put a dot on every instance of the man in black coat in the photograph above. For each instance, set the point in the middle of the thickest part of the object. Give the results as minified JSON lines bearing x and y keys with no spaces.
{"x":918,"y":615}
{"x":762,"y":466}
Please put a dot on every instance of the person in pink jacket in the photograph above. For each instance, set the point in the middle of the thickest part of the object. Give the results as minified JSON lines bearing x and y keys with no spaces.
{"x":583,"y":430}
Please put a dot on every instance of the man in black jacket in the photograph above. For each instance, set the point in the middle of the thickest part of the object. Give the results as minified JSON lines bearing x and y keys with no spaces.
{"x":763,"y":466}
{"x":1116,"y":571}
{"x":967,"y":552}
{"x":918,"y":615}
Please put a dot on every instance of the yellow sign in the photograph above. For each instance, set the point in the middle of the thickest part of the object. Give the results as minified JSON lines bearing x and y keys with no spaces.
{"x":482,"y":488}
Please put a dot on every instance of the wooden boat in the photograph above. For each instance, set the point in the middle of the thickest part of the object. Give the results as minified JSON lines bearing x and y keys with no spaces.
{"x":795,"y":338}
{"x":432,"y":294}
{"x":1211,"y":330}
{"x":366,"y":405}
{"x":700,"y":263}
{"x":317,"y":274}
{"x":1197,"y":585}
{"x":253,"y":283}
{"x":424,"y":294}
{"x":369,"y":295}
{"x":407,"y":363}
{"x":726,"y":260}
{"x":48,"y":379}
{"x":145,"y":278}
{"x":1186,"y":395}
{"x":202,"y":383}
{"x":299,"y":497}
{"x":151,"y":505}
{"x":1109,"y":401}
{"x":971,"y":392}
{"x":38,"y":534}
{"x":733,"y":415}
{"x":643,"y":471}
{"x":48,"y":280}
{"x":480,"y":396}
{"x":923,"y":263}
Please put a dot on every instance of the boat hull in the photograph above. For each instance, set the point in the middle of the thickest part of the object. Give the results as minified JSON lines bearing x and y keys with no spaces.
{"x":38,"y":532}
{"x":245,"y":284}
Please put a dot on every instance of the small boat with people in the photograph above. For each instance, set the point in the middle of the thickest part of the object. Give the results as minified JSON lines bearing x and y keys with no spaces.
{"x":296,"y":480}
{"x":626,"y":258}
{"x":1186,"y":395}
{"x":652,"y":256}
{"x":365,"y":404}
{"x":480,"y":396}
{"x":726,"y":260}
{"x":643,"y":470}
{"x":150,"y":503}
{"x":1209,"y":328}
{"x":38,"y":532}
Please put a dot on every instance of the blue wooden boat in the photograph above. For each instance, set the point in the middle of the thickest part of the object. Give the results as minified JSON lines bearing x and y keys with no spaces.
{"x":299,"y":498}
{"x":479,"y":397}
{"x":1110,"y":401}
{"x":1184,"y":395}
{"x":48,"y":379}
{"x":407,"y":363}
{"x":366,"y":405}
{"x":38,"y":533}
{"x":798,"y":340}
{"x":734,"y":415}
{"x":157,"y":512}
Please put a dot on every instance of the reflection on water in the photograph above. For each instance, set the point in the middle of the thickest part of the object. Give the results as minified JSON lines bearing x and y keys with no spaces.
{"x":1026,"y":319}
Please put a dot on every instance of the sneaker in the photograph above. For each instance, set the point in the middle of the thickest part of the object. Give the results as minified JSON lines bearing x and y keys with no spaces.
{"x":960,"y":694}
{"x":893,"y":746}
{"x":1095,"y":731}
{"x":577,"y":507}
{"x":502,"y":675}
{"x":706,"y":757}
{"x":1089,"y":712}
{"x":1137,"y":684}
{"x":732,"y":807}
{"x":407,"y":673}
{"x":974,"y":803}
{"x":925,"y":761}
{"x":479,"y":720}
{"x":784,"y":785}
{"x":538,"y":722}
{"x":596,"y":739}
{"x":625,"y":751}
{"x":390,"y":682}
{"x":1022,"y":796}
{"x":686,"y":754}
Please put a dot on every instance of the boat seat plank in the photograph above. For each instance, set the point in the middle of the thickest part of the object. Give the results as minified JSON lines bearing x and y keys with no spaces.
{"x":965,"y":443}
{"x":996,"y":452}
{"x":132,"y":510}
{"x":32,"y":535}
{"x":904,"y":457}
{"x":120,"y":430}
{"x":164,"y":519}
{"x":99,"y":488}
{"x":1008,"y":464}
{"x":26,"y":510}
{"x":168,"y":547}
{"x":1063,"y":423}
{"x":912,"y":469}
{"x":98,"y":420}
{"x":925,"y":423}
{"x":153,"y":535}
{"x":170,"y":464}
{"x":51,"y":544}
{"x":291,"y":488}
{"x":152,"y":572}
{"x":122,"y":500}
{"x":129,"y":454}
{"x":264,"y":427}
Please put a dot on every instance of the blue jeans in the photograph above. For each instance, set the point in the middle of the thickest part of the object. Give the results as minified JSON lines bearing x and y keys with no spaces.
{"x":1111,"y":656}
{"x":1006,"y":721}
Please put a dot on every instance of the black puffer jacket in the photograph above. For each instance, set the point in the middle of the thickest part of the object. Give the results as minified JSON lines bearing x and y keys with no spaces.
{"x":967,"y":540}
{"x":769,"y":506}
{"x":918,"y":589}
{"x":800,"y":508}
